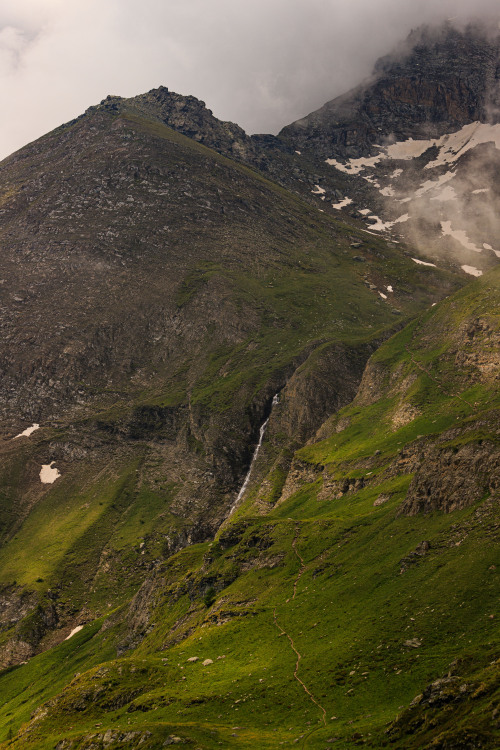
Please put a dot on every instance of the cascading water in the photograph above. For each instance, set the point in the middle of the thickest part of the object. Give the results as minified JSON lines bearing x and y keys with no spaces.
{"x":262,"y":432}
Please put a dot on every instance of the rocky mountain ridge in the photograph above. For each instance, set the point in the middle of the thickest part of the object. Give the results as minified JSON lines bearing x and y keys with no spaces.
{"x":419,"y":146}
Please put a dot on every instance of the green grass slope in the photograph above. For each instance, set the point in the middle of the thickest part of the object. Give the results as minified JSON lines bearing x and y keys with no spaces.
{"x":359,"y":609}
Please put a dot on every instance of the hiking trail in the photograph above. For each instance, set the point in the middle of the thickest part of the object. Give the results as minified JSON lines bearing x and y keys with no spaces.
{"x":283,"y":632}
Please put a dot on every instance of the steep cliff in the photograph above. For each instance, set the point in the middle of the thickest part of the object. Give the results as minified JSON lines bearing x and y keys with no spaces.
{"x":437,"y":81}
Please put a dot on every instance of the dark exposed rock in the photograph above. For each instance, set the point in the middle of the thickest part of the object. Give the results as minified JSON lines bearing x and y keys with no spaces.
{"x":439,"y":80}
{"x":451,"y":479}
{"x":442,"y":716}
{"x":189,"y":116}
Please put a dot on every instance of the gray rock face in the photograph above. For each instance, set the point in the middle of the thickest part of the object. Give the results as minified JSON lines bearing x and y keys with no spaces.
{"x":450,"y":479}
{"x":438,"y":81}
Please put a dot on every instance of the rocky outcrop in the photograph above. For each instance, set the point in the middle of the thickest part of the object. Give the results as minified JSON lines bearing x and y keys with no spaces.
{"x":453,"y":478}
{"x":438,"y":81}
{"x":139,"y":613}
{"x":113,"y":738}
{"x":327,"y":381}
{"x":29,"y":631}
{"x":189,"y":116}
{"x":444,"y":715}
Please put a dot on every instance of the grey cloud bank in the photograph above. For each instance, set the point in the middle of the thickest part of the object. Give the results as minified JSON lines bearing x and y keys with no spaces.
{"x":260,"y":64}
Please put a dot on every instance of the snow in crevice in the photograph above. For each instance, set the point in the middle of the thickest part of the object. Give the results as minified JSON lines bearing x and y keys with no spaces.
{"x":384,"y":226}
{"x":354,"y":166}
{"x":454,"y":145}
{"x":423,"y":263}
{"x":450,"y":148}
{"x":28,"y":431}
{"x":342,"y":204}
{"x":402,"y":151}
{"x":74,"y":632}
{"x":434,"y":184}
{"x":471,"y":270}
{"x":460,"y":236}
{"x":372,"y":181}
{"x":49,"y":474}
{"x":446,"y":194}
{"x":318,"y":190}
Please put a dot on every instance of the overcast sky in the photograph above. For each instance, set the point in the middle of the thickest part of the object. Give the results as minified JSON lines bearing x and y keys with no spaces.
{"x":261,"y":63}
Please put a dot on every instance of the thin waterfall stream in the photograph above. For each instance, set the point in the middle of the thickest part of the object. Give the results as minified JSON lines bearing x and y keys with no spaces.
{"x":262,"y":432}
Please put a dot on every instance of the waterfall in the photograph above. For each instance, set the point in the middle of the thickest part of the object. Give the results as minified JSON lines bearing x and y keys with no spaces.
{"x":262,"y":432}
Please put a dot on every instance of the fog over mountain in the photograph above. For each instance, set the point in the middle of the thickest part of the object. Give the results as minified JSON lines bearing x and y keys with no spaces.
{"x":261,"y":65}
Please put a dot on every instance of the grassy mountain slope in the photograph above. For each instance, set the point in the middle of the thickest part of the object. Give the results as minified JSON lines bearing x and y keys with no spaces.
{"x":156,"y":296}
{"x":383,"y":583}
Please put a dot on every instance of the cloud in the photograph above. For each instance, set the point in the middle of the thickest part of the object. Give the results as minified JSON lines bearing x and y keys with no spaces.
{"x":261,"y":64}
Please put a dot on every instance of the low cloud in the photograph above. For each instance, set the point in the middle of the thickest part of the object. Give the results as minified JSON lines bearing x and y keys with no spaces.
{"x":262,"y":64}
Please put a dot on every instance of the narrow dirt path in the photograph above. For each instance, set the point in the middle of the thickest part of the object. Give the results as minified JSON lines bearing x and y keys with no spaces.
{"x":295,"y":674}
{"x":300,"y":559}
{"x":283,"y":632}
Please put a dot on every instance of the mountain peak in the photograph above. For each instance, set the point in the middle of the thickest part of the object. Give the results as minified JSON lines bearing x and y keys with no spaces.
{"x":438,"y":80}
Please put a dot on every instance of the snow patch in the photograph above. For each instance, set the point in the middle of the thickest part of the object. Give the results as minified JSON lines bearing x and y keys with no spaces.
{"x":372,"y":181}
{"x":354,"y":166}
{"x":74,"y":632}
{"x":480,"y":190}
{"x":459,"y":235}
{"x":434,"y":184}
{"x":365,"y":211}
{"x":446,"y":194}
{"x":402,"y":150}
{"x":388,"y":192}
{"x":454,"y":145}
{"x":402,"y":219}
{"x":346,"y":202}
{"x":450,"y":146}
{"x":423,"y":263}
{"x":396,"y":174}
{"x":384,"y":296}
{"x":389,"y":288}
{"x":48,"y":475}
{"x":28,"y":431}
{"x":381,"y":226}
{"x":318,"y":191}
{"x":410,"y":149}
{"x":472,"y":270}
{"x":299,"y":153}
